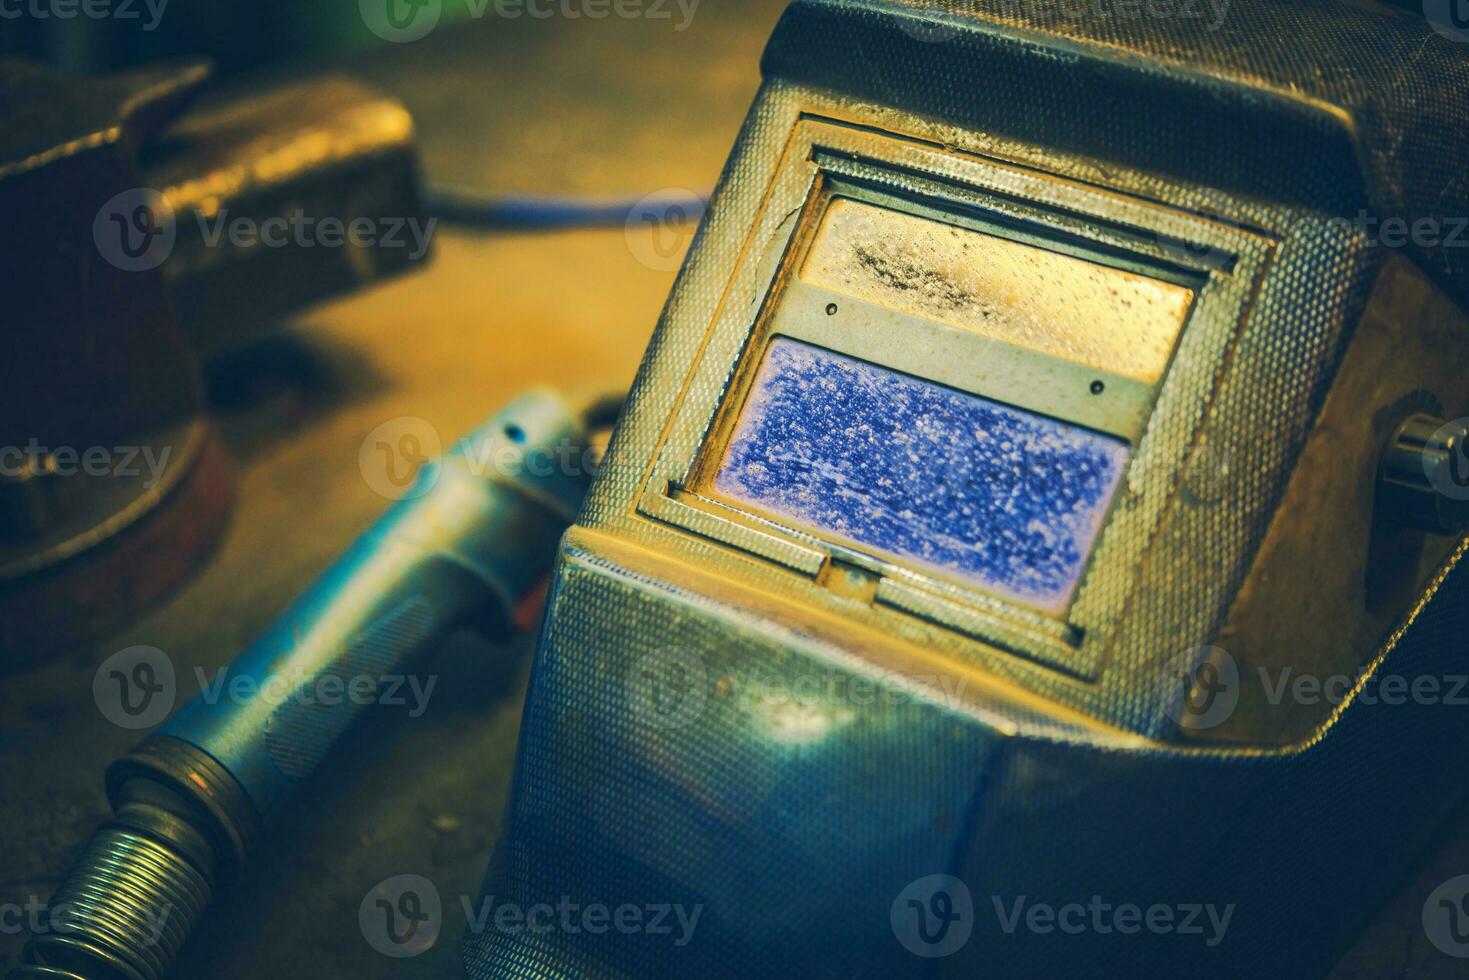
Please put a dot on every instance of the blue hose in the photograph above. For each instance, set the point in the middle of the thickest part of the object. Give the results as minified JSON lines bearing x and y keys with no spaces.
{"x":522,"y":212}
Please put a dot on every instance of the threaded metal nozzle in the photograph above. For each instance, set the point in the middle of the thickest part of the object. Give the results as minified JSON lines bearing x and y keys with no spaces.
{"x":123,"y":912}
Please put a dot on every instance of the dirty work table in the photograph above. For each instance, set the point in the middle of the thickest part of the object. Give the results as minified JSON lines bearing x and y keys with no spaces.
{"x":563,"y":106}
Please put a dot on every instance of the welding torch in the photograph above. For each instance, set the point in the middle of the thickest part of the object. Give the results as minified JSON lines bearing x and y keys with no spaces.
{"x":469,"y":545}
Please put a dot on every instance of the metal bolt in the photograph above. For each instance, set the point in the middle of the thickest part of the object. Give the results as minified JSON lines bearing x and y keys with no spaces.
{"x":1424,"y":478}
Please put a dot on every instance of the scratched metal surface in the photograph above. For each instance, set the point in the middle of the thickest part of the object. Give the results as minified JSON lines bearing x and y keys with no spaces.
{"x":595,"y":106}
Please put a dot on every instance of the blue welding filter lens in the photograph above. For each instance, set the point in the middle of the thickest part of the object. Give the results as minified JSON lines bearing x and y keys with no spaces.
{"x":998,"y":497}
